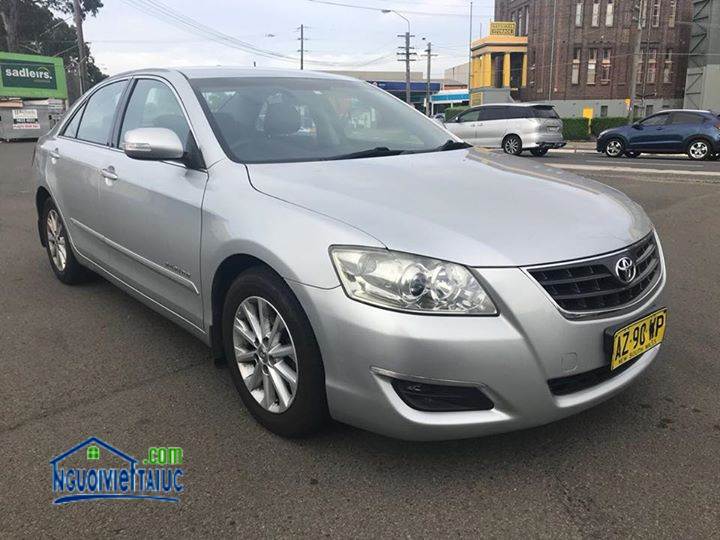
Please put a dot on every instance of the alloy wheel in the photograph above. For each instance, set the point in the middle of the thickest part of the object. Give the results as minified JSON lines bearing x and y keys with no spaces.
{"x":614,"y":148}
{"x":512,"y":145}
{"x":56,"y":240}
{"x":699,"y":150}
{"x":265,"y":354}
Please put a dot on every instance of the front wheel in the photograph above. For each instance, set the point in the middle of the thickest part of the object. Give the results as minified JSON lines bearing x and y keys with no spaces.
{"x":512,"y":145}
{"x":698,"y":150}
{"x":539,"y":152}
{"x":273,"y":356}
{"x":614,"y":148}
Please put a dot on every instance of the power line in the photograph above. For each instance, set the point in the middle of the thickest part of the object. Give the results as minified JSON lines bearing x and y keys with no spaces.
{"x":373,"y":8}
{"x":160,"y":11}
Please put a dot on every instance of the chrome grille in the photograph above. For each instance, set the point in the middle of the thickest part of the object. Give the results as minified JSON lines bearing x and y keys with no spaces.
{"x":592,"y":285}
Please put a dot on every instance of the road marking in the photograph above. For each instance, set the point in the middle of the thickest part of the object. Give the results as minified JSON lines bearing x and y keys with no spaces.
{"x":646,"y":163}
{"x":676,"y":172}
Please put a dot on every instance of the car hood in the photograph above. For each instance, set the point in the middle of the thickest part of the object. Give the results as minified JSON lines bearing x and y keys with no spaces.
{"x":472,"y":206}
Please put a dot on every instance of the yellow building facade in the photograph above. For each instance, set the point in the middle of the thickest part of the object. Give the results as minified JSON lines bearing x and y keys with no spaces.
{"x":498,"y":61}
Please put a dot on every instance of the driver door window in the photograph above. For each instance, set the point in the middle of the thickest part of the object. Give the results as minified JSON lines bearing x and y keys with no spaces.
{"x":153,"y":104}
{"x":657,"y":120}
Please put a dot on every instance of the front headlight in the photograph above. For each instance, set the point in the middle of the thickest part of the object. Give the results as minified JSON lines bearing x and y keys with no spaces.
{"x":409,"y":283}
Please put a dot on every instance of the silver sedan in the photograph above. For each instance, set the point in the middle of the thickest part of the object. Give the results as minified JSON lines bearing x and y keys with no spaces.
{"x":348,"y":257}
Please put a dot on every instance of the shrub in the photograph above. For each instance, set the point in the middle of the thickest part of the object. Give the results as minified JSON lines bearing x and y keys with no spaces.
{"x":601,"y":124}
{"x":575,"y":129}
{"x":451,"y":112}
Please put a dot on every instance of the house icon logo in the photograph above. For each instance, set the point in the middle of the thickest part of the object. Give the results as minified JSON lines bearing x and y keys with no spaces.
{"x":158,"y":478}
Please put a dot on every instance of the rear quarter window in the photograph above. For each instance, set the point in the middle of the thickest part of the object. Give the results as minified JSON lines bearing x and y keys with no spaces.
{"x":544,"y":112}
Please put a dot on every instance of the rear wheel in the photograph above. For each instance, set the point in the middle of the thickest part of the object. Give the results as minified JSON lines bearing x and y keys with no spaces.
{"x":698,"y":150}
{"x":539,"y":152}
{"x":512,"y":144}
{"x":57,"y":243}
{"x":614,"y":148}
{"x":273,"y":356}
{"x":632,"y":154}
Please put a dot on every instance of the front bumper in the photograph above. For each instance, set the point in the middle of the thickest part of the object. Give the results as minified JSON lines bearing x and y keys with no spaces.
{"x":510,"y":357}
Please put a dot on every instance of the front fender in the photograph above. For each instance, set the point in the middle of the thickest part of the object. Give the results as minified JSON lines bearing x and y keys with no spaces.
{"x":294,"y":241}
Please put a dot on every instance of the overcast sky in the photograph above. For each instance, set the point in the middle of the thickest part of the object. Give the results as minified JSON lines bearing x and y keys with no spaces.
{"x":126,"y":35}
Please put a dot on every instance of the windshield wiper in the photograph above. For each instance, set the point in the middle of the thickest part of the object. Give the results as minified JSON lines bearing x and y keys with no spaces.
{"x":378,"y":151}
{"x":451,"y":144}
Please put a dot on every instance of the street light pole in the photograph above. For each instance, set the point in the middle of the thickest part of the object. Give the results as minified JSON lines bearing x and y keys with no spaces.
{"x":406,"y":54}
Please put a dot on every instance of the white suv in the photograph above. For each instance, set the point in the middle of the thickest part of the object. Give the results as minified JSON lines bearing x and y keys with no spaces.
{"x":514,"y":127}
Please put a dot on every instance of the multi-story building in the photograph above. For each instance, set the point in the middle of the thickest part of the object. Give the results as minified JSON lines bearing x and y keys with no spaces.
{"x":580,"y":52}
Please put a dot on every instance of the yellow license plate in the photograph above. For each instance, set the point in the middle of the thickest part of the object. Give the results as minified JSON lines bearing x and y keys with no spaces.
{"x":638,"y":337}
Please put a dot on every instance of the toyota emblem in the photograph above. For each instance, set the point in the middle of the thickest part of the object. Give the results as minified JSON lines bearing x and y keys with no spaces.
{"x":625,"y":269}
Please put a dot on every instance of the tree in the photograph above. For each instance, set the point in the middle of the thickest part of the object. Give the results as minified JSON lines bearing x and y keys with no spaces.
{"x":39,"y":31}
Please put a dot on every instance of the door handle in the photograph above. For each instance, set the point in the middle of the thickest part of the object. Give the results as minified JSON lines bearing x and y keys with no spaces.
{"x":109,"y":173}
{"x":54,"y":154}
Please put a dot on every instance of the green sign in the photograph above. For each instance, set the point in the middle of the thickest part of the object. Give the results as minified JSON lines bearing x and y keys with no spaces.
{"x":32,"y":76}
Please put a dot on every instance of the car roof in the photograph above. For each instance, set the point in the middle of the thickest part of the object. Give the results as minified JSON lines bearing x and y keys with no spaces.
{"x":208,"y":72}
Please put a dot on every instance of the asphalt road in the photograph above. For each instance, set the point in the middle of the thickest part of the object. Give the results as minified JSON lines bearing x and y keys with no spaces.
{"x":89,"y":360}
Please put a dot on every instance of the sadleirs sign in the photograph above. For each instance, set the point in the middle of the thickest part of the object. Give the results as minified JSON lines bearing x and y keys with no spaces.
{"x":32,"y":76}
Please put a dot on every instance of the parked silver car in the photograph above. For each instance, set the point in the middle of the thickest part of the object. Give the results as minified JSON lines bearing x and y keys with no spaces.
{"x":514,"y":127}
{"x":347,"y":256}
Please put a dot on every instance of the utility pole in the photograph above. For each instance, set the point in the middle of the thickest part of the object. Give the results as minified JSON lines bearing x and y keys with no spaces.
{"x":82,"y":69}
{"x":407,"y":55}
{"x":302,"y":46}
{"x":429,"y":55}
{"x":469,"y":52}
{"x":551,"y":79}
{"x":637,"y":51}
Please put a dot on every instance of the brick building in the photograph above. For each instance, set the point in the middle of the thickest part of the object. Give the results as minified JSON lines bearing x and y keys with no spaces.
{"x":588,"y":54}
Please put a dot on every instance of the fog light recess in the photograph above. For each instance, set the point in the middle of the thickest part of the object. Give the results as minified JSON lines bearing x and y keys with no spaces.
{"x":441,"y":398}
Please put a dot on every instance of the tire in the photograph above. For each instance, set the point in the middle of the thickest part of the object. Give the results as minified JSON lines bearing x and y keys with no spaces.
{"x":512,"y":144}
{"x":614,"y":148}
{"x":285,"y":410}
{"x":633,"y":154}
{"x":57,"y":244}
{"x":539,"y":152}
{"x":698,"y":150}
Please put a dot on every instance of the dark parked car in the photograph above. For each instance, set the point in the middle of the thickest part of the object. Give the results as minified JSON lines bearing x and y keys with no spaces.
{"x":696,"y":133}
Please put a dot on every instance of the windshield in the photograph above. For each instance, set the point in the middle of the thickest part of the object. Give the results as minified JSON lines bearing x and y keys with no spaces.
{"x":280,"y":119}
{"x":545,"y":111}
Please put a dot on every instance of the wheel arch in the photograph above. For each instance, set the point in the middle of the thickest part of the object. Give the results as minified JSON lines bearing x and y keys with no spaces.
{"x":691,"y":139}
{"x":224,"y":275}
{"x":41,"y":197}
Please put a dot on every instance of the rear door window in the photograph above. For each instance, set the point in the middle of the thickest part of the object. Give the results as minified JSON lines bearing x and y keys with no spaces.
{"x":72,"y":126}
{"x":97,"y":119}
{"x":496,"y":113}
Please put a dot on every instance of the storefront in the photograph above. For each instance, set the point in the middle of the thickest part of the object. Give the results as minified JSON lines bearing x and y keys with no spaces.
{"x":33,"y":95}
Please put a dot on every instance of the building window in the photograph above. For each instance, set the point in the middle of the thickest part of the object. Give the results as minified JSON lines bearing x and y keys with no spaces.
{"x":592,"y":65}
{"x":576,"y":66}
{"x":640,"y":66}
{"x":673,"y":13}
{"x":649,"y":109}
{"x":521,"y":22}
{"x":643,"y":13}
{"x":579,"y":13}
{"x":595,"y":20}
{"x":652,"y":66}
{"x":605,"y":67}
{"x":527,"y":20}
{"x":603,"y":111}
{"x":610,"y":13}
{"x":655,"y":15}
{"x":667,"y":70}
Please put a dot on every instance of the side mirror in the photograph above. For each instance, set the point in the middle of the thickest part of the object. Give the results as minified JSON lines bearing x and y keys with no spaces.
{"x":637,"y":125}
{"x":153,"y":144}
